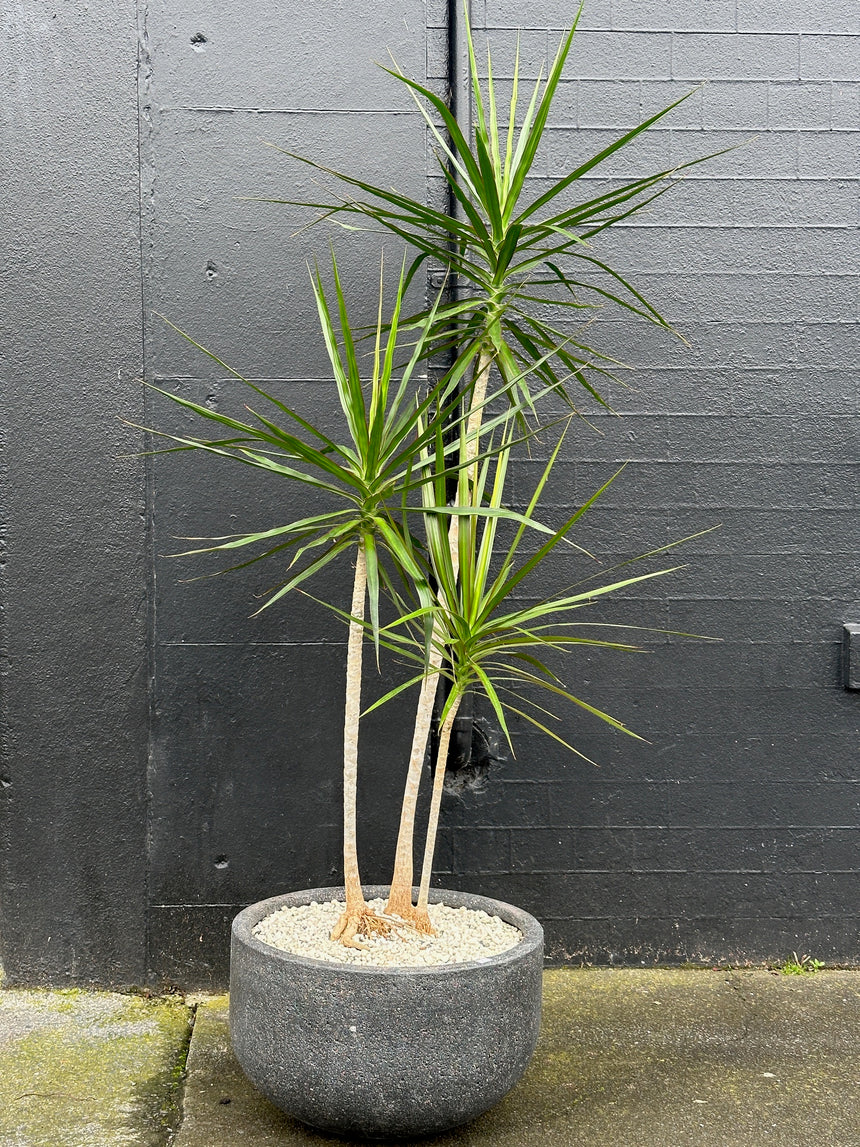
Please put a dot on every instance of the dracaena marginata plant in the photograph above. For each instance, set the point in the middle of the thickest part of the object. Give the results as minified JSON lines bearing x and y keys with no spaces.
{"x":519,"y":265}
{"x":513,"y":261}
{"x":453,"y":596}
{"x":367,"y":478}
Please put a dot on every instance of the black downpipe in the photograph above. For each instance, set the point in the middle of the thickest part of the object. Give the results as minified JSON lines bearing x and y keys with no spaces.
{"x":460,"y":748}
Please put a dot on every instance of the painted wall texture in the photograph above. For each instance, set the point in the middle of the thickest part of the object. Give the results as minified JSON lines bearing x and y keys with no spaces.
{"x":130,"y":839}
{"x":73,"y":676}
{"x":735,"y":834}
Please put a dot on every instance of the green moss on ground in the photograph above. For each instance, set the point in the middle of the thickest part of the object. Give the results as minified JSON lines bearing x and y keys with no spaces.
{"x":90,"y":1069}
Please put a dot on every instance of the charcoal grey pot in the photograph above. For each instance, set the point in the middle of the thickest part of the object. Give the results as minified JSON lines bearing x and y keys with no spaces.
{"x":384,"y":1052}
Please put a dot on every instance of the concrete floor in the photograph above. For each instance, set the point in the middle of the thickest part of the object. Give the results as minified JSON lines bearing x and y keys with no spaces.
{"x":626,"y":1057}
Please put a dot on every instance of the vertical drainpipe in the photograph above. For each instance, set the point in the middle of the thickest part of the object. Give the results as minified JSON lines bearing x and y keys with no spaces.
{"x":460,"y":104}
{"x":460,"y":91}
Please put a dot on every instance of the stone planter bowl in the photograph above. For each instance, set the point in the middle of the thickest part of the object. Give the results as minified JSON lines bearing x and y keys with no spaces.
{"x":384,"y":1052}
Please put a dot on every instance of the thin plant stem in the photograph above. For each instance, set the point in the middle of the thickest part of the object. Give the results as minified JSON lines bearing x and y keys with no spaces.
{"x":354,"y":895}
{"x":355,"y":902}
{"x":435,"y":804}
{"x":400,"y":893}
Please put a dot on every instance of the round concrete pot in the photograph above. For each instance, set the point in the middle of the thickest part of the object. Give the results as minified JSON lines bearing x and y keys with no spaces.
{"x":384,"y":1052}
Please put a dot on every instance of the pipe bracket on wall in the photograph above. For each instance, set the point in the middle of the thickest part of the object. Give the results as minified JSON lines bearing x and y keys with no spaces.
{"x":851,"y":655}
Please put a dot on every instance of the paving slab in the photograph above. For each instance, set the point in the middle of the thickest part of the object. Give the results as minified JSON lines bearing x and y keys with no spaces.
{"x":667,"y":1058}
{"x":90,"y":1069}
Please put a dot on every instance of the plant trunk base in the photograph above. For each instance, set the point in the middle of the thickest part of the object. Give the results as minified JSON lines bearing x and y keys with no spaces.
{"x":421,"y":922}
{"x":401,"y":905}
{"x":362,"y":921}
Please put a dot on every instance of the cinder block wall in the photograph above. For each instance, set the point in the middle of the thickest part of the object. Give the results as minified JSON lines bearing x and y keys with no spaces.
{"x":734,"y":834}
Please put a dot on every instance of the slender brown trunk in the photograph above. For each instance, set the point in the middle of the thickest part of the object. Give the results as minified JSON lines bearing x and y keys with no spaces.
{"x":435,"y":803}
{"x":355,"y":646}
{"x":473,"y":427}
{"x":476,"y":412}
{"x":356,"y":916}
{"x":400,"y":895}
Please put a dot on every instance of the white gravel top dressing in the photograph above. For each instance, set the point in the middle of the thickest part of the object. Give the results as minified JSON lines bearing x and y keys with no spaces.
{"x":463,"y":935}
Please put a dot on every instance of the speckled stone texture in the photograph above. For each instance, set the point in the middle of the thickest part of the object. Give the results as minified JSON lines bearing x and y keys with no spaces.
{"x":380,"y":1052}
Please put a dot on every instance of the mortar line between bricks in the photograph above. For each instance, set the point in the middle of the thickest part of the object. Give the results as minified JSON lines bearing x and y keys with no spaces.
{"x":547,"y":917}
{"x":670,"y":872}
{"x":618,"y":828}
{"x":632,"y":30}
{"x":247,"y":644}
{"x":220,"y":109}
{"x":686,"y":129}
{"x":668,"y":828}
{"x":640,"y":916}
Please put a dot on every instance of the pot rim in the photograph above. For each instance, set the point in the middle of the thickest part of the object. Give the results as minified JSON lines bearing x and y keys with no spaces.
{"x":532,"y":932}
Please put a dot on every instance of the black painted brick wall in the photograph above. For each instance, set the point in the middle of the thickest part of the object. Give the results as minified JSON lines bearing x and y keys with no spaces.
{"x":734,"y":834}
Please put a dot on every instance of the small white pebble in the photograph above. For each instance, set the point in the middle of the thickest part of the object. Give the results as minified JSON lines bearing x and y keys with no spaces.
{"x":463,"y":935}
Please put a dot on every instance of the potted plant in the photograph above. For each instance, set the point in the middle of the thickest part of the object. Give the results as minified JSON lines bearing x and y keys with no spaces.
{"x":346,"y":1044}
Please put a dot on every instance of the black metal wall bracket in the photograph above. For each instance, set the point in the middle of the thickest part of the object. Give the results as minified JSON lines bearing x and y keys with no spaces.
{"x":851,"y":655}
